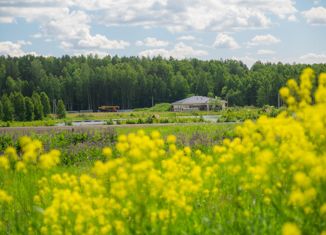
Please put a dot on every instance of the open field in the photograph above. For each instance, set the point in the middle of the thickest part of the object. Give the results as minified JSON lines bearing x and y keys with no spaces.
{"x":162,"y":117}
{"x":257,"y":177}
{"x":234,"y":114}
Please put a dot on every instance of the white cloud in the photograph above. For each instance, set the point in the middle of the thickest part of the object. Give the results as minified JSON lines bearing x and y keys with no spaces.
{"x":180,"y":51}
{"x":101,"y":42}
{"x":31,"y":11}
{"x":315,"y":16}
{"x":266,"y":39}
{"x":174,"y":15}
{"x":225,"y":41}
{"x":156,"y":52}
{"x":152,"y":42}
{"x":72,"y":29}
{"x":292,"y":18}
{"x":248,"y":60}
{"x":311,"y":58}
{"x":196,"y":14}
{"x":57,"y":22}
{"x":265,"y":52}
{"x":36,"y":35}
{"x":186,"y":38}
{"x":6,"y":20}
{"x":13,"y":49}
{"x":99,"y":53}
{"x":66,"y":45}
{"x":316,"y":2}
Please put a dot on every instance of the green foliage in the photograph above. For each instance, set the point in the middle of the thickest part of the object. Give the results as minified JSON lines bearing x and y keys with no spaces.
{"x":109,"y":122}
{"x":46,"y":103}
{"x":8,"y":109}
{"x":29,"y":109}
{"x":210,"y":94}
{"x":38,"y":107}
{"x":216,"y":103}
{"x":18,"y":102}
{"x":162,"y":107}
{"x":89,"y":82}
{"x":1,"y":110}
{"x":239,"y":114}
{"x":11,"y":85}
{"x":61,"y":109}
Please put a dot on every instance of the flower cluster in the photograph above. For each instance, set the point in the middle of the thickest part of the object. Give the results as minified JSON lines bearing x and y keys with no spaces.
{"x":269,"y":179}
{"x":281,"y":161}
{"x":147,"y":186}
{"x":31,"y":155}
{"x":4,"y":197}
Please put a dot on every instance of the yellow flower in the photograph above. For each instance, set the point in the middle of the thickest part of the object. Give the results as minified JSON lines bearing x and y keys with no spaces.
{"x":155,"y":134}
{"x":4,"y":197}
{"x":20,"y":166}
{"x":323,"y":209}
{"x":4,"y":163}
{"x":11,"y":153}
{"x":290,"y":229}
{"x":284,"y":92}
{"x":171,"y":139}
{"x":302,"y":179}
{"x":107,"y":152}
{"x":187,"y":150}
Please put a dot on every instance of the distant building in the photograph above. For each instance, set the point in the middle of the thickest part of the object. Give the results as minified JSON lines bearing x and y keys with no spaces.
{"x":198,"y":103}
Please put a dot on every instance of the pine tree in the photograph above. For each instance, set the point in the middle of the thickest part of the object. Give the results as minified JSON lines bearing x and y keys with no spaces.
{"x":29,"y":109}
{"x":38,"y":107}
{"x":61,"y":110}
{"x":8,"y":110}
{"x":46,"y":103}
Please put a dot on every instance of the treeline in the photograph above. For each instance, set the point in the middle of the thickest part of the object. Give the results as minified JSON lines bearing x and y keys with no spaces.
{"x":130,"y":82}
{"x":16,"y":107}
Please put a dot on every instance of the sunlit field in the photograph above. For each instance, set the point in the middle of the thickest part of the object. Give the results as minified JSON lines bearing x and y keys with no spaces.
{"x":266,"y":176}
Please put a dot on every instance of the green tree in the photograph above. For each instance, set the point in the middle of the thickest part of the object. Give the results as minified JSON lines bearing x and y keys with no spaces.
{"x":180,"y":87}
{"x":11,"y":85}
{"x":38,"y":107}
{"x":8,"y":109}
{"x":18,"y":102}
{"x":29,"y":109}
{"x":61,"y":109}
{"x":1,"y":110}
{"x":46,"y":103}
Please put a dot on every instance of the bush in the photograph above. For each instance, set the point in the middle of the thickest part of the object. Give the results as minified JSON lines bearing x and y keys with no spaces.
{"x":109,"y":122}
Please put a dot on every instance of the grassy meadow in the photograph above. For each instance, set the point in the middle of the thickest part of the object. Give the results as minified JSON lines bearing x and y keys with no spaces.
{"x":151,"y":116}
{"x":262,"y":176}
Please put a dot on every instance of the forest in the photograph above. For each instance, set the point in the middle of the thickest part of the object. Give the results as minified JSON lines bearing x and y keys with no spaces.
{"x":87,"y":82}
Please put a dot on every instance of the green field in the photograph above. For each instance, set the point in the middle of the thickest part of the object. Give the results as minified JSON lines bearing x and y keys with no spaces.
{"x":260,"y":176}
{"x":152,"y":115}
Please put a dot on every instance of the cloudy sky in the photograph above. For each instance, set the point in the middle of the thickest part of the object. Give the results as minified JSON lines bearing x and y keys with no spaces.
{"x":249,"y":30}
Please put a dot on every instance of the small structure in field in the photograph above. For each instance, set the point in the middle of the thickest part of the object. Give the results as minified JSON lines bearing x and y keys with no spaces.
{"x":109,"y":108}
{"x":199,"y":103}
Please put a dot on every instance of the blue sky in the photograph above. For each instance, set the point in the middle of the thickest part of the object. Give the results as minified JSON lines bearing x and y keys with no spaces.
{"x":249,"y":30}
